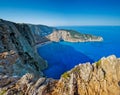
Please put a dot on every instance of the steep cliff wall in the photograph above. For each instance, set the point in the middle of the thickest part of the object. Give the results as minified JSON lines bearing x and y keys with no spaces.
{"x":19,"y":39}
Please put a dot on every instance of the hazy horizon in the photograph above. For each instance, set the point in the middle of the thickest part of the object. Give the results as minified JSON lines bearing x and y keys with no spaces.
{"x":61,"y":12}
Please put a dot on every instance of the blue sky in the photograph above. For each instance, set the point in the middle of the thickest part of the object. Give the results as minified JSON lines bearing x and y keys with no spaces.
{"x":62,"y":12}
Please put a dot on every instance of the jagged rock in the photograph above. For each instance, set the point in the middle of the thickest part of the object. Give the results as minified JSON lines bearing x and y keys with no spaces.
{"x":100,"y":78}
{"x":27,"y":85}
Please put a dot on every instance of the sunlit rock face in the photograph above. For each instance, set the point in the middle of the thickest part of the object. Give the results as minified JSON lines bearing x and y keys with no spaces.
{"x":72,"y":36}
{"x":44,"y":33}
{"x":100,"y":78}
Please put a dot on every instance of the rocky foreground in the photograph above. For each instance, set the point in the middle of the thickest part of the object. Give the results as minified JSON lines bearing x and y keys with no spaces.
{"x":100,"y":78}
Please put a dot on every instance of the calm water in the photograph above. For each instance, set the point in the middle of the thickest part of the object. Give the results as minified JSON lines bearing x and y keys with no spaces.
{"x":63,"y":56}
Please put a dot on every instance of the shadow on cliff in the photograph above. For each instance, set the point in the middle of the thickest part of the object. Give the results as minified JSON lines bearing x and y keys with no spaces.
{"x":61,"y":58}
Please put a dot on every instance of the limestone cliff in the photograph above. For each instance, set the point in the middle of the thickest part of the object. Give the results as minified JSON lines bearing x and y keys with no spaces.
{"x":44,"y":33}
{"x":72,"y":36}
{"x":100,"y":78}
{"x":17,"y":44}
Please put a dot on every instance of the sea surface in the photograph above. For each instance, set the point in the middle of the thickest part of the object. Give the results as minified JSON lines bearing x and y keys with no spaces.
{"x":63,"y":56}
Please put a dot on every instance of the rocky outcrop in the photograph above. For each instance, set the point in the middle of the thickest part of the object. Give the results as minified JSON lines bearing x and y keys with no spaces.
{"x":72,"y":36}
{"x":100,"y":78}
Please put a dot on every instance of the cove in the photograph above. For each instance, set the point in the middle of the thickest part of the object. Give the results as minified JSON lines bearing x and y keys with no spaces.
{"x":63,"y":56}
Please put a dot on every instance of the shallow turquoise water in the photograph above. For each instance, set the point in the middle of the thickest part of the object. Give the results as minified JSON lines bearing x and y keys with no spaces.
{"x":63,"y":56}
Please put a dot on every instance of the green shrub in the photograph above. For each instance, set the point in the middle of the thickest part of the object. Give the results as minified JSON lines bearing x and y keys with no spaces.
{"x":65,"y":75}
{"x":2,"y":92}
{"x":98,"y":63}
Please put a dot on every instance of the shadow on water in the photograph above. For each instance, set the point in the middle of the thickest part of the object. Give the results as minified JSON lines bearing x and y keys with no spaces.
{"x":61,"y":58}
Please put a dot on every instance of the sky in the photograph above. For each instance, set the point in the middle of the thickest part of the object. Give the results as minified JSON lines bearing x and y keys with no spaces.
{"x":62,"y":12}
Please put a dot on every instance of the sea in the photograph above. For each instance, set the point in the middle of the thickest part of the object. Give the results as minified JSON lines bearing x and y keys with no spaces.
{"x":63,"y":56}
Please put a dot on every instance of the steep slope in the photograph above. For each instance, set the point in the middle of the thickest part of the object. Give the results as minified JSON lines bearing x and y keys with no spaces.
{"x":100,"y":78}
{"x":17,"y":38}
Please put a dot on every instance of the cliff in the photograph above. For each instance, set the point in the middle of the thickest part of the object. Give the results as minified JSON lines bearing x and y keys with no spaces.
{"x":100,"y":78}
{"x":44,"y":33}
{"x":72,"y":36}
{"x":17,"y":50}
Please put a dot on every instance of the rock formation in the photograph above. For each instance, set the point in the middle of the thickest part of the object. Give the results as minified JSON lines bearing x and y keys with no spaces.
{"x":72,"y":36}
{"x":100,"y":78}
{"x":17,"y":50}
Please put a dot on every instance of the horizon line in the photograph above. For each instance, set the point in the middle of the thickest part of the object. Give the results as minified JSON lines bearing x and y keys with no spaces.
{"x":57,"y":25}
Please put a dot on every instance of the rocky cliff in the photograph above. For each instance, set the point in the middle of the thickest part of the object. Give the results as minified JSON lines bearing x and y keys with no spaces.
{"x":100,"y":78}
{"x":17,"y":50}
{"x":45,"y":33}
{"x":72,"y":36}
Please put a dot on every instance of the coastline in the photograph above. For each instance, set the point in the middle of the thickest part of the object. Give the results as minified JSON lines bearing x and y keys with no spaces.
{"x":42,"y":44}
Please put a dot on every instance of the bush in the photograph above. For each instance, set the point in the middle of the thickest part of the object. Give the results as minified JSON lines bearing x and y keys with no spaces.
{"x":65,"y":75}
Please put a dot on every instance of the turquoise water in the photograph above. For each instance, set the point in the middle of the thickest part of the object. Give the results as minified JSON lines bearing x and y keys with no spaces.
{"x":63,"y":56}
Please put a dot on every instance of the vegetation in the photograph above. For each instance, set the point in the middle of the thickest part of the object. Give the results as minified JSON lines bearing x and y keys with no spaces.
{"x":98,"y":63}
{"x":73,"y":33}
{"x":65,"y":75}
{"x":75,"y":70}
{"x":2,"y":92}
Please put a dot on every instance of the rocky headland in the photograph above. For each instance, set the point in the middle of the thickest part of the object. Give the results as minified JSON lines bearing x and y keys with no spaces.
{"x":21,"y":66}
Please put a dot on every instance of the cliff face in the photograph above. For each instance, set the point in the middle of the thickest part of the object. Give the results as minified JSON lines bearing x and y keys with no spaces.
{"x":100,"y":78}
{"x":44,"y":33}
{"x":72,"y":36}
{"x":17,"y":40}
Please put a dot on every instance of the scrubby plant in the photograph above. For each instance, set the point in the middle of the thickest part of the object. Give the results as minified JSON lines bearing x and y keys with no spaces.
{"x":65,"y":75}
{"x":2,"y":92}
{"x":98,"y":63}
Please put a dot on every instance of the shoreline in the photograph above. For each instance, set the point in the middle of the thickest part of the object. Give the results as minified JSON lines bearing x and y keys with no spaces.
{"x":42,"y":44}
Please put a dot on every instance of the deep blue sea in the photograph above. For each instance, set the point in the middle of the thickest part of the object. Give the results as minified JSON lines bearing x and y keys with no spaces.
{"x":63,"y":56}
